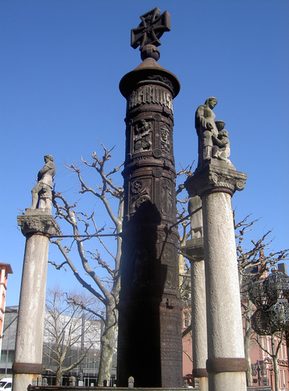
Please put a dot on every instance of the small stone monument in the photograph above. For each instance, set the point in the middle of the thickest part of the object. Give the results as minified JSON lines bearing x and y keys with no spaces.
{"x":37,"y":225}
{"x":130,"y":382}
{"x":215,"y":181}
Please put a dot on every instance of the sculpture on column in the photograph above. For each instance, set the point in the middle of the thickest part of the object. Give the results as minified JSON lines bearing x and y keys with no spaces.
{"x":215,"y":180}
{"x":214,"y":140}
{"x":195,"y":211}
{"x":42,"y":191}
{"x":37,"y":225}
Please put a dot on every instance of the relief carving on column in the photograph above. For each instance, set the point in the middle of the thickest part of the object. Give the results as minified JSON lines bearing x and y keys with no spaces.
{"x":142,"y":136}
{"x":162,"y":79}
{"x":167,"y":257}
{"x":151,"y":94}
{"x":165,"y":139}
{"x":167,"y":197}
{"x":139,"y":193}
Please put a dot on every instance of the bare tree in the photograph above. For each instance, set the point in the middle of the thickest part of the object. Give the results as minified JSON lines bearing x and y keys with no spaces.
{"x":69,"y":332}
{"x":183,"y":221}
{"x":86,"y":246}
{"x":99,"y":272}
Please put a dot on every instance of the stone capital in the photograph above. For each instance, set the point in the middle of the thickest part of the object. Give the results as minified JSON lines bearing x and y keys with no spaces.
{"x":38,"y":222}
{"x":212,"y":178}
{"x":194,"y":249}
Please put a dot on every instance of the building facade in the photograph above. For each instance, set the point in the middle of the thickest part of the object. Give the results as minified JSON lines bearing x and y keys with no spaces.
{"x":262,"y":363}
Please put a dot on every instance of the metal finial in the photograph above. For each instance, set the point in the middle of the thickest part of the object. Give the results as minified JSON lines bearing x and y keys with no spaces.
{"x":153,"y":25}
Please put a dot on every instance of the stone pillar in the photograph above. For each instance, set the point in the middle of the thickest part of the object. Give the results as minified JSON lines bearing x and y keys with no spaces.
{"x":194,"y":251}
{"x":226,"y":364}
{"x":149,"y":343}
{"x":37,"y":225}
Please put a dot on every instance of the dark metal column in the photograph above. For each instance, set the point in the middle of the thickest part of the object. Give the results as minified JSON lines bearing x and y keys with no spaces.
{"x":149,"y":346}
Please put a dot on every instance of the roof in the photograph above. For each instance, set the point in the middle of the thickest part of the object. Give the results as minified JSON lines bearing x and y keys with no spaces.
{"x":6,"y":266}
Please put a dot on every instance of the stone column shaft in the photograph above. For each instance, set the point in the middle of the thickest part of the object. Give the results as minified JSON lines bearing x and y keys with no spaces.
{"x":226,"y":364}
{"x":194,"y":251}
{"x":199,"y":323}
{"x":224,"y":319}
{"x":32,"y":299}
{"x":27,"y":367}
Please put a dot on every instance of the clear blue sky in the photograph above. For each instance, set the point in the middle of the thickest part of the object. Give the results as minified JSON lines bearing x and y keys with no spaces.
{"x":61,"y":62}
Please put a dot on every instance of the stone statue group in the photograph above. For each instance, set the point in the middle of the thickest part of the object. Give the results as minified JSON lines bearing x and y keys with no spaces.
{"x":214,"y":140}
{"x":214,"y":146}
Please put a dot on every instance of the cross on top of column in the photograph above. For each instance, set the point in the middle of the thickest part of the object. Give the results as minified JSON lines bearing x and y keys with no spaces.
{"x":153,"y":25}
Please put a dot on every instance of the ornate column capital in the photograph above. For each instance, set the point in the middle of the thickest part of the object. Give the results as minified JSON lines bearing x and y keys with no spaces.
{"x":194,"y":249}
{"x":37,"y":221}
{"x":215,"y":178}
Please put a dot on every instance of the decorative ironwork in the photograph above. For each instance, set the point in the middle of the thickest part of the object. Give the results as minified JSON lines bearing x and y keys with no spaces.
{"x":271,"y":299}
{"x":261,"y":323}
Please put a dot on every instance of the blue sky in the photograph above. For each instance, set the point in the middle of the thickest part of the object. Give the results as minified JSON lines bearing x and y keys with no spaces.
{"x":61,"y":62}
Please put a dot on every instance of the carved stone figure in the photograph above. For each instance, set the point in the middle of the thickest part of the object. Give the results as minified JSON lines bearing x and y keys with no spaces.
{"x":142,"y":136}
{"x":42,"y":191}
{"x":221,"y":149}
{"x":214,"y":140}
{"x":206,"y":128}
{"x":195,"y":210}
{"x":165,"y":142}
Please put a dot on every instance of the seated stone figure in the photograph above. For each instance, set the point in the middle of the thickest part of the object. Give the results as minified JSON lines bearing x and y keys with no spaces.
{"x":42,"y":191}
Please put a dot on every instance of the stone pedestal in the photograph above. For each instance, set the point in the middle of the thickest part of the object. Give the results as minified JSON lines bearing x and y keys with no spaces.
{"x":195,"y":253}
{"x":37,"y":226}
{"x":226,"y":364}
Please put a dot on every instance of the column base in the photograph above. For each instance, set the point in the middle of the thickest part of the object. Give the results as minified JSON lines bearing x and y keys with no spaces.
{"x":227,"y":381}
{"x":31,"y":368}
{"x":227,"y":364}
{"x":200,"y":372}
{"x":227,"y":374}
